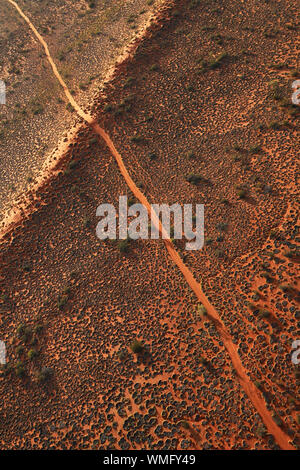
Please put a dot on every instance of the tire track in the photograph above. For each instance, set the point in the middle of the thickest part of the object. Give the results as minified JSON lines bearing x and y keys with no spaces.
{"x":249,"y":388}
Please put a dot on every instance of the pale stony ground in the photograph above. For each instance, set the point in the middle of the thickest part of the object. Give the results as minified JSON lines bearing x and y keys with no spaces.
{"x":86,"y":42}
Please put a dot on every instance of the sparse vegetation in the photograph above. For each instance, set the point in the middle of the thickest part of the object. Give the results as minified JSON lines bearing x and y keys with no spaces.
{"x":19,"y":370}
{"x":242,"y":193}
{"x":136,"y":138}
{"x":194,"y":178}
{"x":136,"y":347}
{"x":45,"y":375}
{"x":123,"y":245}
{"x":32,"y":353}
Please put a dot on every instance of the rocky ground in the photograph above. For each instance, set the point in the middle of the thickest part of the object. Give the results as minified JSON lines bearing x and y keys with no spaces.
{"x":86,"y":39}
{"x":71,"y":305}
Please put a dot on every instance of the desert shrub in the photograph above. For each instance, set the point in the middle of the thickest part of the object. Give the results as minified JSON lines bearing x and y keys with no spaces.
{"x":190,"y":154}
{"x":261,"y":431}
{"x":37,"y":108}
{"x":93,"y":141}
{"x":215,"y":63}
{"x":19,"y":370}
{"x":129,"y":81}
{"x":26,"y":333}
{"x":176,"y":14}
{"x":284,"y":287}
{"x":152,"y":156}
{"x":237,"y":148}
{"x":255,"y":149}
{"x":264,"y":313}
{"x":236,"y":158}
{"x":194,"y":178}
{"x":87,"y":222}
{"x":220,"y":253}
{"x":136,"y":347}
{"x":212,"y":63}
{"x":62,"y":301}
{"x":172,"y":230}
{"x":131,"y":201}
{"x":32,"y":353}
{"x":38,"y":328}
{"x":66,"y":290}
{"x":291,"y":253}
{"x":274,"y":234}
{"x":202,"y":311}
{"x":275,"y":91}
{"x":73,"y":164}
{"x":45,"y":374}
{"x":277,"y":419}
{"x":125,"y":107}
{"x":33,"y":341}
{"x":122,"y":355}
{"x":278,"y":66}
{"x":256,"y":295}
{"x":274,"y":125}
{"x":123,"y":246}
{"x":136,"y":138}
{"x":184,"y":424}
{"x":222,"y":226}
{"x":291,"y":401}
{"x":6,"y":368}
{"x":131,"y":19}
{"x":190,"y":88}
{"x":251,"y":306}
{"x":293,"y":110}
{"x":267,"y":276}
{"x":108,"y":108}
{"x":217,"y":38}
{"x":19,"y":350}
{"x":129,"y":99}
{"x":241,"y":193}
{"x":203,"y":361}
{"x":257,"y":384}
{"x":21,"y":329}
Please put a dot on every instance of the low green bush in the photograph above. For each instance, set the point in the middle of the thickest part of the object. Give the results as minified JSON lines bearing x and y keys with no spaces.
{"x":136,"y":347}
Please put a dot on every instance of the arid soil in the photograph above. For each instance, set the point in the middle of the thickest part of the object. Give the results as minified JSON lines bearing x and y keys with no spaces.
{"x":220,"y":377}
